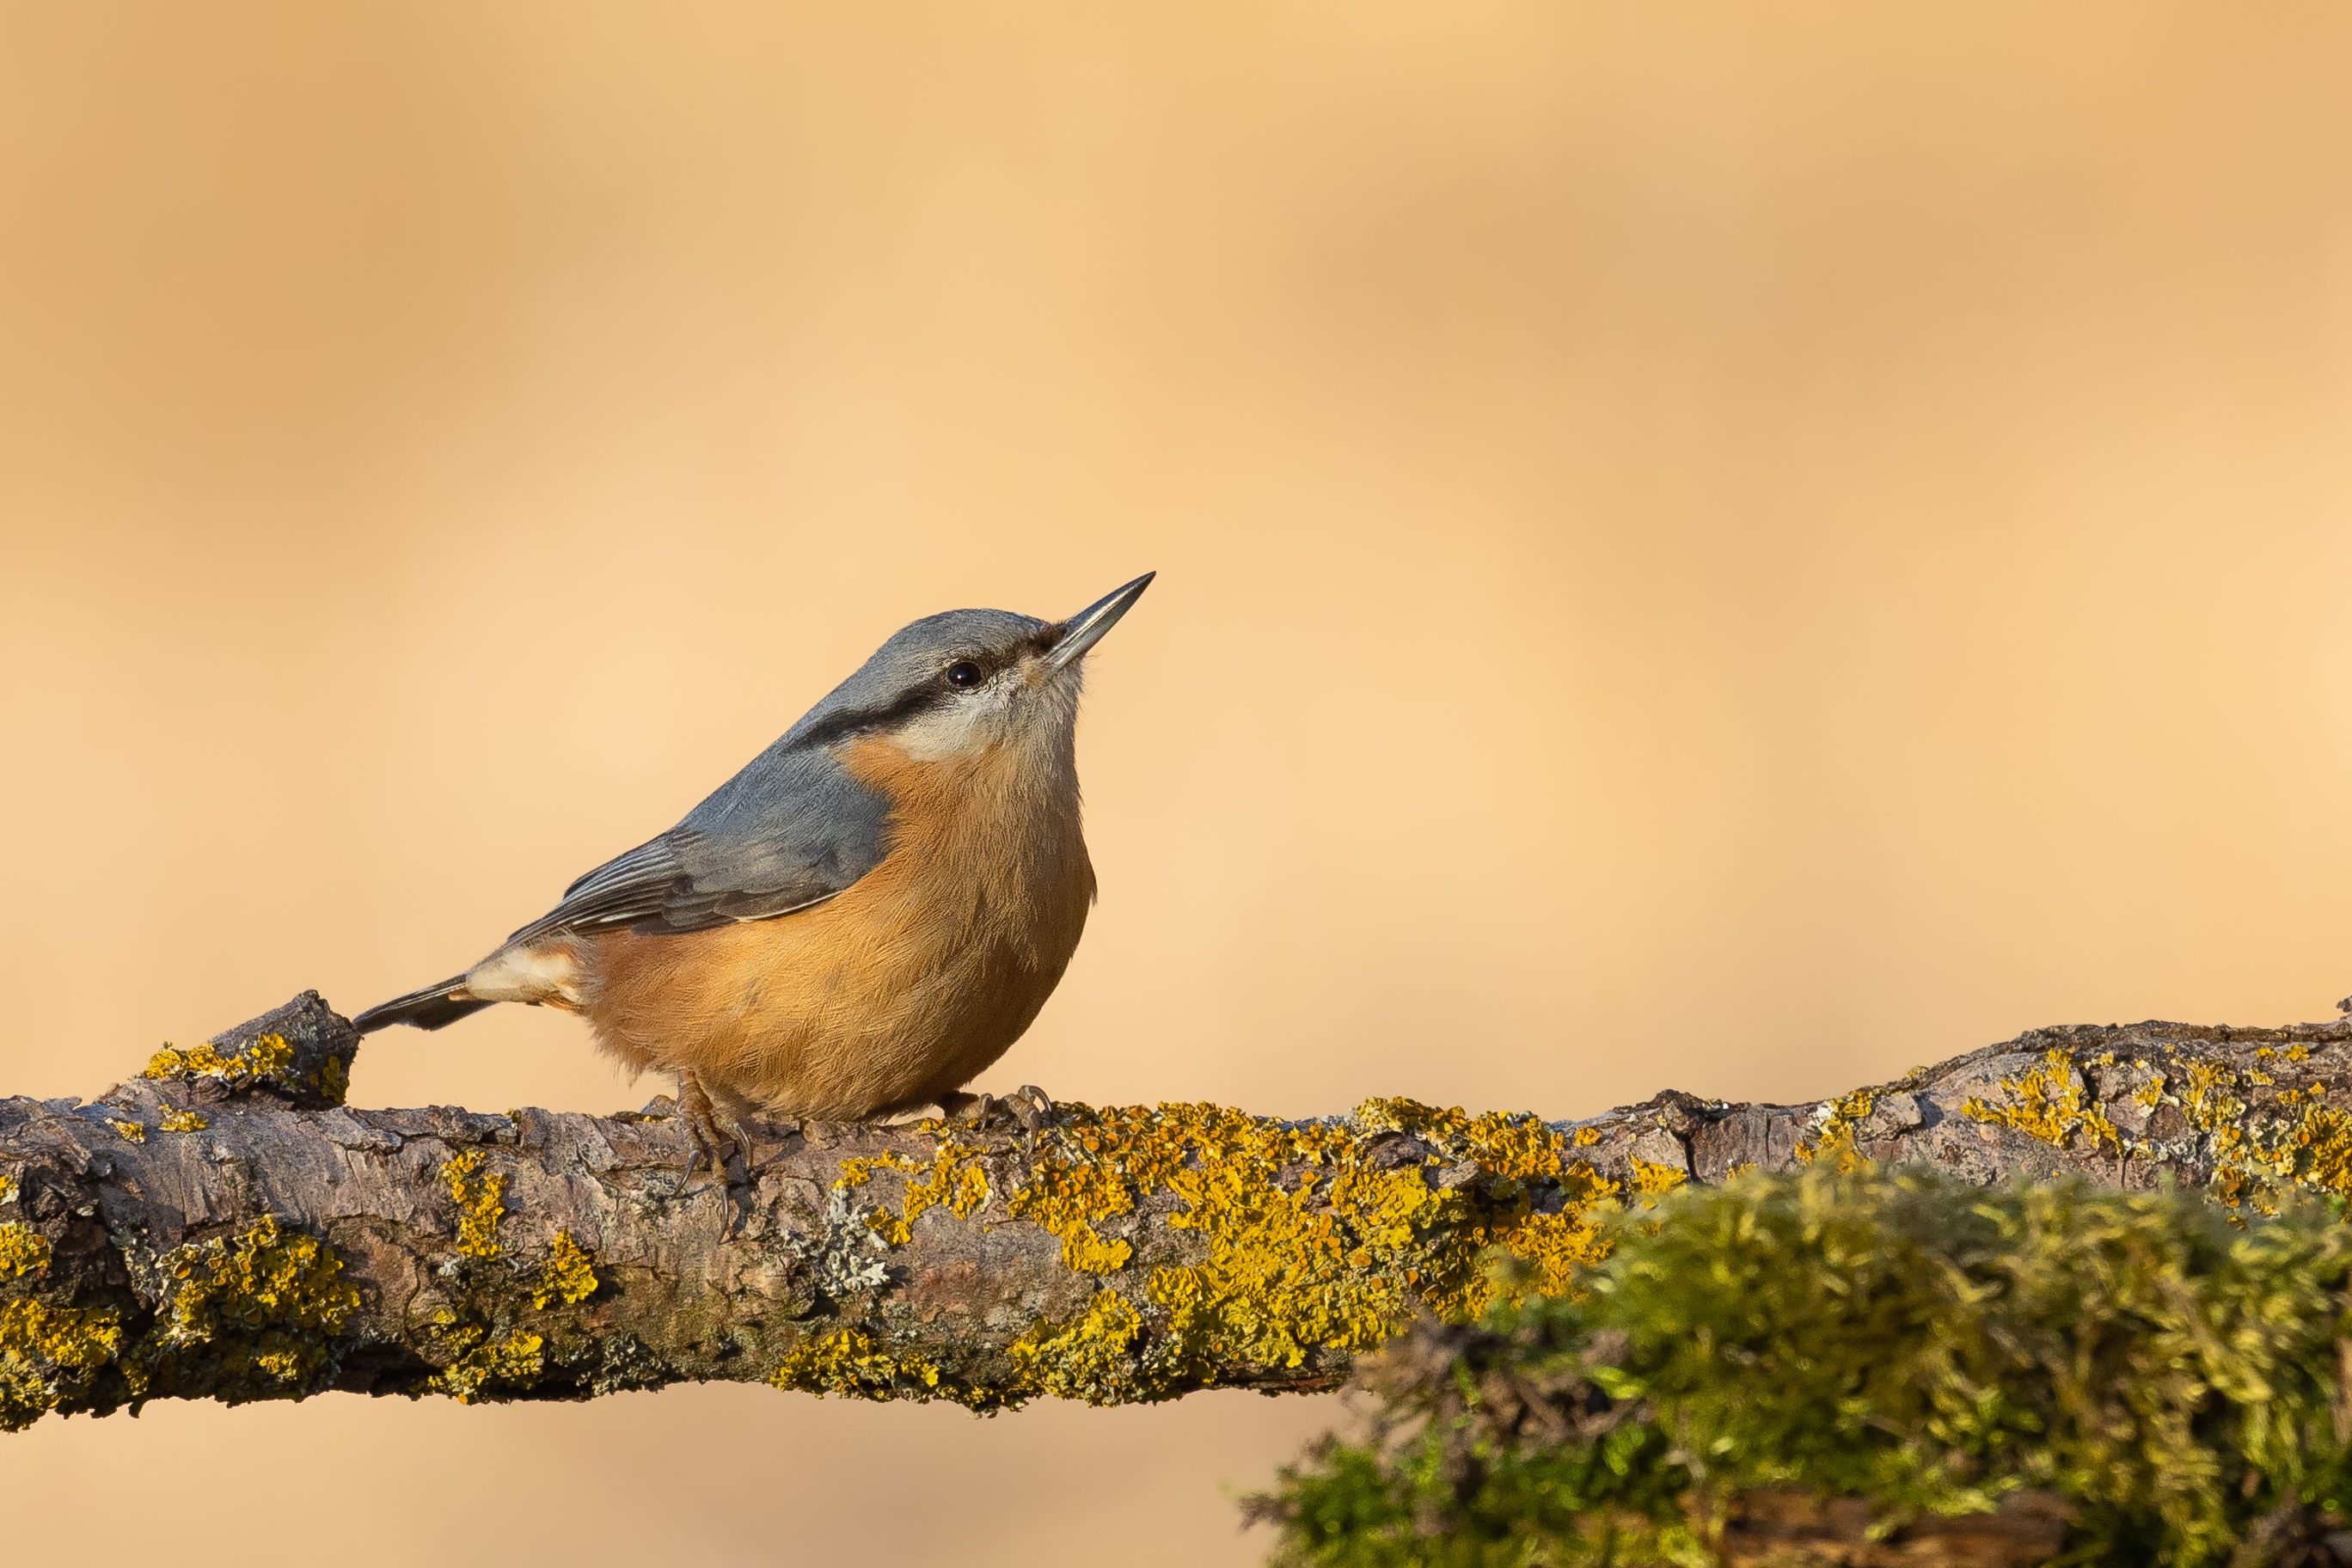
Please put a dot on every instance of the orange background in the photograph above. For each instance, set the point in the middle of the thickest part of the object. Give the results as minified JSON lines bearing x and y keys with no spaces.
{"x":1740,"y":549}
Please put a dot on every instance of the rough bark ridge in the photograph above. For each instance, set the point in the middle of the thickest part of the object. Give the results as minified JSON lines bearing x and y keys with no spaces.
{"x":224,"y":1226}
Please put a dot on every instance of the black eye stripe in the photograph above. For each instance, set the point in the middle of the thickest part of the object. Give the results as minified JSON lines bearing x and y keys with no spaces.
{"x":931,"y":693}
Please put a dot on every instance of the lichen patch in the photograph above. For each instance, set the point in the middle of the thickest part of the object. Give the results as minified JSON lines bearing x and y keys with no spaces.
{"x":1308,"y":1242}
{"x":480,"y":1198}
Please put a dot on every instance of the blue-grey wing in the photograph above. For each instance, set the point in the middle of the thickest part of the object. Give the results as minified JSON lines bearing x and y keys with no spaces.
{"x":791,"y":830}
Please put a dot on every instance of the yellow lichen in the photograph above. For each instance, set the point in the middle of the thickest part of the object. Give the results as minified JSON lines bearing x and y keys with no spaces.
{"x":953,"y":1181}
{"x":1087,"y":1358}
{"x":2323,"y":1143}
{"x":1067,"y":1197}
{"x":1289,"y":1240}
{"x":24,"y":1251}
{"x":2259,"y":1136}
{"x":568,"y":1276}
{"x":480,"y":1200}
{"x":2206,"y":1096}
{"x":1516,"y":1148}
{"x":1650,"y":1179}
{"x":1329,"y":1263}
{"x":264,"y":1304}
{"x":2257,"y":1156}
{"x":2051,"y":1102}
{"x":513,"y":1360}
{"x":247,"y":1315}
{"x":265,"y":1058}
{"x":130,"y":1130}
{"x":1832,"y":1136}
{"x":1555,"y":1248}
{"x":1310,"y":1243}
{"x":49,"y":1355}
{"x":184,"y":1121}
{"x":846,"y":1360}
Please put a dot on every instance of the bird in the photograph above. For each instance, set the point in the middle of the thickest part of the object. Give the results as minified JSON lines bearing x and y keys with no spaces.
{"x":864,"y":918}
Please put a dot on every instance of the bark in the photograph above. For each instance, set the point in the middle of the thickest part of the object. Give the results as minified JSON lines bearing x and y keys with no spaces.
{"x":224,"y":1226}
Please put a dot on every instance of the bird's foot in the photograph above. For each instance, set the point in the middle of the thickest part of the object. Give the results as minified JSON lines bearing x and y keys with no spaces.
{"x":1033,"y":1108}
{"x":719,"y":1145}
{"x":1028,"y":1107}
{"x":716,"y":1141}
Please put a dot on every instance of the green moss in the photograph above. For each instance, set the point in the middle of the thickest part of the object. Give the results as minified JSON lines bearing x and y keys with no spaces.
{"x":1912,"y":1343}
{"x":480,"y":1200}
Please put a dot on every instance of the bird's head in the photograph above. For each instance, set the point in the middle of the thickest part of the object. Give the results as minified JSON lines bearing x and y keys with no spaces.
{"x":961,"y":681}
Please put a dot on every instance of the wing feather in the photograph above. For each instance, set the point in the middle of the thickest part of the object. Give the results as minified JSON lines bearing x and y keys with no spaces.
{"x":789,"y":831}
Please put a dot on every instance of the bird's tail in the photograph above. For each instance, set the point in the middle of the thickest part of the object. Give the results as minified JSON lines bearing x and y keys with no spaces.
{"x":430,"y":1008}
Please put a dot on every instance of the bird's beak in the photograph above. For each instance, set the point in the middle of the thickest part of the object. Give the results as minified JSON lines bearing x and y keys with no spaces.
{"x":1085,"y":628}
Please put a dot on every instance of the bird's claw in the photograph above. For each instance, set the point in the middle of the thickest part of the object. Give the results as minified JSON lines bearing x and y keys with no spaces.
{"x":713,"y":1148}
{"x":1031,"y":1107}
{"x":1028,"y":1107}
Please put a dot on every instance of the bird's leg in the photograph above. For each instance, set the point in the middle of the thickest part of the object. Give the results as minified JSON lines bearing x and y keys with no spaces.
{"x":714,"y":1140}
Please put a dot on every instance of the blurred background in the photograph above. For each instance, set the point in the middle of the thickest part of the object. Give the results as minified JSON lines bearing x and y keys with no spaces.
{"x":1732,"y":548}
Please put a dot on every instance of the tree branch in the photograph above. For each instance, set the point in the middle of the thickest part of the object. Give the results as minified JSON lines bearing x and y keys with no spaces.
{"x":222,"y":1227}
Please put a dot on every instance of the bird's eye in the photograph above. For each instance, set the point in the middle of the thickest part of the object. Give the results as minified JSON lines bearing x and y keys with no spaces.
{"x":963,"y":675}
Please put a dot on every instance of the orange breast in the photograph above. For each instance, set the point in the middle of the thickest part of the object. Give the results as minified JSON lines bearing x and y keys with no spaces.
{"x":899,"y":990}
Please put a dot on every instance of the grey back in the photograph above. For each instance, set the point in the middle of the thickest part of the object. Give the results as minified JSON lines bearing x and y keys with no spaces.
{"x":793,"y":828}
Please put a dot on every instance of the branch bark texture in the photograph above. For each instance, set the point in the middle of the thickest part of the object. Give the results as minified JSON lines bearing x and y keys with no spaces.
{"x":224,"y":1226}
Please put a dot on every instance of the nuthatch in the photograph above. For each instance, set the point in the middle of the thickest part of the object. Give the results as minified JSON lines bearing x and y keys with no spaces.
{"x":863,"y":919}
